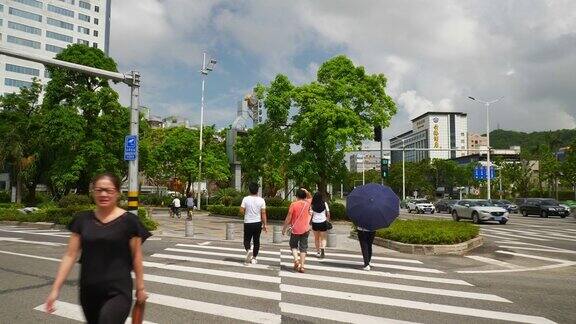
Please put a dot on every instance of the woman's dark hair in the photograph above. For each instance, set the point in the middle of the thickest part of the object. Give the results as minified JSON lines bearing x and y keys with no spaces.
{"x":301,"y":194}
{"x":253,"y":188}
{"x":318,"y":203}
{"x":112,"y":177}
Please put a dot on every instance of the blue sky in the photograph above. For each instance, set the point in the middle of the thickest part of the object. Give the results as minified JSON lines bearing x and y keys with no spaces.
{"x":434,"y":54}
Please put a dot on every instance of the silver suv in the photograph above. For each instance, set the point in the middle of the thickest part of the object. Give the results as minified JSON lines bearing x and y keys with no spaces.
{"x":479,"y":210}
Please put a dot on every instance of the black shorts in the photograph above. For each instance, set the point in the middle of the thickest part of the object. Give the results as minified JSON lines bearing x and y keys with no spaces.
{"x":320,"y":227}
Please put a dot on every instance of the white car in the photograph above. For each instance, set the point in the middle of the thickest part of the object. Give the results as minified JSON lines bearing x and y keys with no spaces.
{"x":479,"y":210}
{"x":420,"y":206}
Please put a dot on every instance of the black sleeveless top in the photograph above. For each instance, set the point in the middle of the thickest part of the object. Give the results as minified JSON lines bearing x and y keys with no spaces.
{"x":106,"y":254}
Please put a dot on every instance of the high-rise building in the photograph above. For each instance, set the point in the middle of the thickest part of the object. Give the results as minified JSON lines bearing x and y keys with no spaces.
{"x":46,"y":27}
{"x":433,"y":130}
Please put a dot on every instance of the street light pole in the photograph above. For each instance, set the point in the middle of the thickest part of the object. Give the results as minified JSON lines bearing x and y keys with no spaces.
{"x":403,"y":173}
{"x":204,"y":72}
{"x":488,"y":162}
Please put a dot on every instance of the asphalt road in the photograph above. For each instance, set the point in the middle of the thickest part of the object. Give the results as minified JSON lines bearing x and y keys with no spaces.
{"x":524,"y":273}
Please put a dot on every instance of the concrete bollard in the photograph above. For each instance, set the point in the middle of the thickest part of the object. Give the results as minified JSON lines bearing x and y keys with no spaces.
{"x":229,"y":231}
{"x":189,"y":228}
{"x":331,"y":239}
{"x":277,"y":234}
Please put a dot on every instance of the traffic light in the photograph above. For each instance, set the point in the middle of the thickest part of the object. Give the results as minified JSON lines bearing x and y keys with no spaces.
{"x":378,"y":133}
{"x":384,"y":168}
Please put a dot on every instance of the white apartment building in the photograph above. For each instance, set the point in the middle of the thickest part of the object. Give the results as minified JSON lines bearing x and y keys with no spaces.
{"x":433,"y":130}
{"x":46,"y":27}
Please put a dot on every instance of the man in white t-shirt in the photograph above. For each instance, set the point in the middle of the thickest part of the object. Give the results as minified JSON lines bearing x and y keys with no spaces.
{"x":175,"y":206}
{"x":253,"y":208}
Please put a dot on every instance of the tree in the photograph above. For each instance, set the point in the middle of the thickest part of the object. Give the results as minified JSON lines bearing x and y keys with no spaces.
{"x":265,"y":150}
{"x":335,"y":113}
{"x":549,"y":168}
{"x":418,"y":177}
{"x":518,"y":177}
{"x":87,"y":124}
{"x":173,"y":153}
{"x":20,"y":121}
{"x":569,"y":166}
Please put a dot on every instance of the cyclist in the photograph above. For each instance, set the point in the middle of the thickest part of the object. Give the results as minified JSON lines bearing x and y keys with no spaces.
{"x":176,"y":206}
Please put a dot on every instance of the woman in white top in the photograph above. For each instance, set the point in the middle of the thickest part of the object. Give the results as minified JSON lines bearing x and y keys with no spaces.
{"x":320,"y":218}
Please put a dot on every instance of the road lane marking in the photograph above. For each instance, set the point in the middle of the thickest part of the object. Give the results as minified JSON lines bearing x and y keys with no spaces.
{"x":383,"y":274}
{"x":203,"y":243}
{"x":212,"y":272}
{"x":19,"y":240}
{"x":494,"y":262}
{"x":372,"y":264}
{"x":223,"y":248}
{"x":382,"y":285}
{"x":334,"y":315}
{"x":404,"y":303}
{"x":73,"y":312}
{"x":533,"y":256}
{"x":235,"y":313}
{"x":30,"y":256}
{"x":214,"y":287}
{"x":541,"y":235}
{"x":59,"y":234}
{"x":514,"y":235}
{"x":240,"y":257}
{"x":210,"y":261}
{"x":359,"y":256}
{"x":546,"y":267}
{"x":536,"y":249}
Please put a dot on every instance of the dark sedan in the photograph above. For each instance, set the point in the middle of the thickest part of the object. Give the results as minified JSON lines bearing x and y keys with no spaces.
{"x":543,"y":207}
{"x":445,"y":205}
{"x":506,"y":204}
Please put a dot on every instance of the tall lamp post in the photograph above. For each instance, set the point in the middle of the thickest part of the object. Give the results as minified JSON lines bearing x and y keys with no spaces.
{"x":206,"y":67}
{"x":489,"y":164}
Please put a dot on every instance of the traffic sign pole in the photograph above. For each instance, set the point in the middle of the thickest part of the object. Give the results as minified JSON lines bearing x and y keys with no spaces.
{"x":134,"y":126}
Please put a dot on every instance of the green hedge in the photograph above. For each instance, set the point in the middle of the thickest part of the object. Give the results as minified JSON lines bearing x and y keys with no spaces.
{"x":155,"y":200}
{"x":11,"y":205}
{"x":64,"y":216}
{"x":429,"y":232}
{"x":74,"y":200}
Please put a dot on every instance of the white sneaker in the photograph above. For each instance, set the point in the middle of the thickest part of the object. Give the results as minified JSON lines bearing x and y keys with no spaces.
{"x":366,"y":268}
{"x":248,"y":257}
{"x":253,"y":261}
{"x":318,"y":254}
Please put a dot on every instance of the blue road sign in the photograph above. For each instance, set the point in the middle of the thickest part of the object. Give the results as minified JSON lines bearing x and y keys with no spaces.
{"x":480,"y":173}
{"x":130,"y":147}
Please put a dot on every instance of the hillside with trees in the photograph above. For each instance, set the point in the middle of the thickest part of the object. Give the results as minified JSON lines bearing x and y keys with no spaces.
{"x":502,"y":139}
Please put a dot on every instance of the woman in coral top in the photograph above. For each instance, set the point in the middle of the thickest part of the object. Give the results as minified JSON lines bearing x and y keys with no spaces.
{"x":299,"y":219}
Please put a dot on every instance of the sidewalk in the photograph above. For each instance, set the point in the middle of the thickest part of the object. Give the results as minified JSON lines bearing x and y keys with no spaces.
{"x":214,"y":228}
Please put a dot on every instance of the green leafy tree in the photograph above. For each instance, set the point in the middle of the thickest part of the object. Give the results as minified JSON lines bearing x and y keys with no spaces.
{"x":569,"y":167}
{"x":335,"y":113}
{"x":417,"y":178}
{"x":173,"y":152}
{"x":265,"y":150}
{"x":20,"y":120}
{"x":549,"y":168}
{"x":517,"y":177}
{"x":87,"y":123}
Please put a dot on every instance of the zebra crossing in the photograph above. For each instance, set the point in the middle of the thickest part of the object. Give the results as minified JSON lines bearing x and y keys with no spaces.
{"x":200,"y":281}
{"x":529,"y":245}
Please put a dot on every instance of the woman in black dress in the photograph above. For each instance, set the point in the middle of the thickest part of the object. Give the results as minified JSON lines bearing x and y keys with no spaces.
{"x":109,"y":240}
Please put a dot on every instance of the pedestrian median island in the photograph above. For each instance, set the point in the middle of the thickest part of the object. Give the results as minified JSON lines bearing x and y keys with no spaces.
{"x":429,"y":237}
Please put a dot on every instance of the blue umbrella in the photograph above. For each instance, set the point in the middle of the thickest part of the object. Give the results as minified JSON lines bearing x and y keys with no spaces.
{"x":372,"y":206}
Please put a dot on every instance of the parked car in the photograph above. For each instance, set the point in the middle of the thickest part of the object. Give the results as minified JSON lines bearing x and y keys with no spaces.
{"x":543,"y":207}
{"x":479,"y":210}
{"x":420,"y":206}
{"x":506,"y":204}
{"x":445,"y":205}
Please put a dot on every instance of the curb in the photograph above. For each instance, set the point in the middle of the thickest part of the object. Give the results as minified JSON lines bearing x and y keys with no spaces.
{"x":44,"y":225}
{"x":429,"y":249}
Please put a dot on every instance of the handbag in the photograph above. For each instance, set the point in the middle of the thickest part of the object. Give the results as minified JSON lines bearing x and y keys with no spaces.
{"x":138,"y":313}
{"x":328,"y":225}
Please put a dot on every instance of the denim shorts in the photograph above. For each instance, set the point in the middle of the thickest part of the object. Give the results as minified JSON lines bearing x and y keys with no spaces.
{"x":299,"y":241}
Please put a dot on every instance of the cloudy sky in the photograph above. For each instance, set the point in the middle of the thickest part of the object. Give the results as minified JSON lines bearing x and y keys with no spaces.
{"x":434,"y":54}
